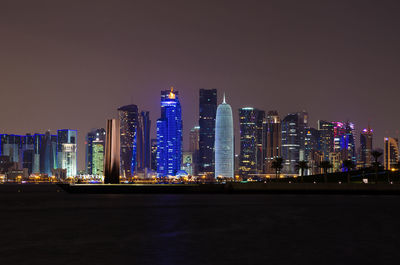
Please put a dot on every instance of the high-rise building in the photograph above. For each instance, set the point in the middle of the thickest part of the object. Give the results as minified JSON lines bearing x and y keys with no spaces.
{"x":366,"y":136}
{"x":143,"y":141}
{"x":112,"y":152}
{"x":391,"y":153}
{"x":48,"y":154}
{"x":98,"y":157}
{"x":37,"y":147}
{"x":248,"y":121}
{"x":194,"y":147}
{"x":326,"y":136}
{"x":224,"y":141}
{"x":98,"y":136}
{"x":344,"y":140}
{"x":28,"y":151}
{"x":10,"y":145}
{"x":302,"y":126}
{"x":290,"y":142}
{"x":260,"y":155}
{"x":153,"y":162}
{"x":207,"y":113}
{"x":272,"y":138}
{"x":169,"y":135}
{"x":128,"y":119}
{"x":66,"y":151}
{"x":311,"y":142}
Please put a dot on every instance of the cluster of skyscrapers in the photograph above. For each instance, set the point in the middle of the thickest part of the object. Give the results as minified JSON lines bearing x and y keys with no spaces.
{"x":41,"y":153}
{"x":264,"y":136}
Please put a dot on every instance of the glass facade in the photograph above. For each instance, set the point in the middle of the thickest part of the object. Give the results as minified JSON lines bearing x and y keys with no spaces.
{"x":169,"y":135}
{"x":224,"y":142}
{"x":207,"y":113}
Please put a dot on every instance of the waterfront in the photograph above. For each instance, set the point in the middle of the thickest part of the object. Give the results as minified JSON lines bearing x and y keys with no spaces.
{"x":43,"y":225}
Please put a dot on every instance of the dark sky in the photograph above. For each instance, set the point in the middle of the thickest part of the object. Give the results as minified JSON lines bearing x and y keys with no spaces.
{"x":71,"y":64}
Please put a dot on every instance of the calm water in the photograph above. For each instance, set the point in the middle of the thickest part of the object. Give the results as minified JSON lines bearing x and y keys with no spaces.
{"x":42,"y":226}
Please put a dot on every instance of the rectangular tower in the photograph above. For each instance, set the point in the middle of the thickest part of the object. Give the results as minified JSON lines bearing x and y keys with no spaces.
{"x":207,"y":113}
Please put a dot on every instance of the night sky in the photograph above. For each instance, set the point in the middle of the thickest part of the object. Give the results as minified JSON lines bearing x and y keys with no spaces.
{"x":71,"y":64}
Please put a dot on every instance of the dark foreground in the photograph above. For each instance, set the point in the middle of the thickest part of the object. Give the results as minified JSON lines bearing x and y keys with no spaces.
{"x":43,"y":225}
{"x":236,"y":188}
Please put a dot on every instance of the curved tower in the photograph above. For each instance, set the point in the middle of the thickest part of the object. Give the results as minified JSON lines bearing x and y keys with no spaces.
{"x":224,"y":158}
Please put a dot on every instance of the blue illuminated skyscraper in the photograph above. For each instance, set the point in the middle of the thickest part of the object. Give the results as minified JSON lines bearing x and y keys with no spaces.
{"x":169,"y":134}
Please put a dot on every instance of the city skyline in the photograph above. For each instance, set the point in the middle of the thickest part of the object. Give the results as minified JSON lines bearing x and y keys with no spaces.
{"x":81,"y":68}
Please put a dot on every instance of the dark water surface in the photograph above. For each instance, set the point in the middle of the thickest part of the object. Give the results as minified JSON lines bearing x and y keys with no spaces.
{"x":42,"y":226}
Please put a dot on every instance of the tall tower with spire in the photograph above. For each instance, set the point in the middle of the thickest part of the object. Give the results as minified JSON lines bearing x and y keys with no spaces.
{"x":224,"y":143}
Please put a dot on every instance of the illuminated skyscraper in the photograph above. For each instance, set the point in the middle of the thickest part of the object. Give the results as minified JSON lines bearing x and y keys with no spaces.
{"x":293,"y":140}
{"x":143,"y":141}
{"x":128,"y":118}
{"x":207,"y":112}
{"x":169,"y":135}
{"x":48,"y":158}
{"x":112,"y":153}
{"x":153,"y":162}
{"x":194,"y":147}
{"x":95,"y":145}
{"x":27,"y":149}
{"x":224,"y":141}
{"x":326,"y":138}
{"x":66,"y":151}
{"x":366,"y":136}
{"x":344,"y":140}
{"x":391,"y":152}
{"x":248,"y":141}
{"x":37,"y":147}
{"x":272,"y":133}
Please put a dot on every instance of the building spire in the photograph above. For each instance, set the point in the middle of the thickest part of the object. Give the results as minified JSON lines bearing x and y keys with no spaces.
{"x":224,"y":101}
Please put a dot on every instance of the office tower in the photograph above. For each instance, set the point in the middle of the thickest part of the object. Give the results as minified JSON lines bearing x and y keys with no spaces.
{"x":290,"y":142}
{"x":98,"y":157}
{"x":10,"y":145}
{"x":28,"y":151}
{"x":224,"y":141}
{"x":207,"y":112}
{"x":98,"y":135}
{"x":366,"y":137}
{"x":66,"y":151}
{"x":194,"y":147}
{"x":272,"y":137}
{"x":153,"y":162}
{"x":95,"y":145}
{"x":169,"y":135}
{"x":311,"y":142}
{"x":143,"y":141}
{"x":391,"y":153}
{"x":128,"y":120}
{"x":248,"y":118}
{"x":37,"y":140}
{"x":326,"y":134}
{"x":48,"y":157}
{"x":259,"y":142}
{"x":112,"y":153}
{"x":302,"y":126}
{"x":344,"y":140}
